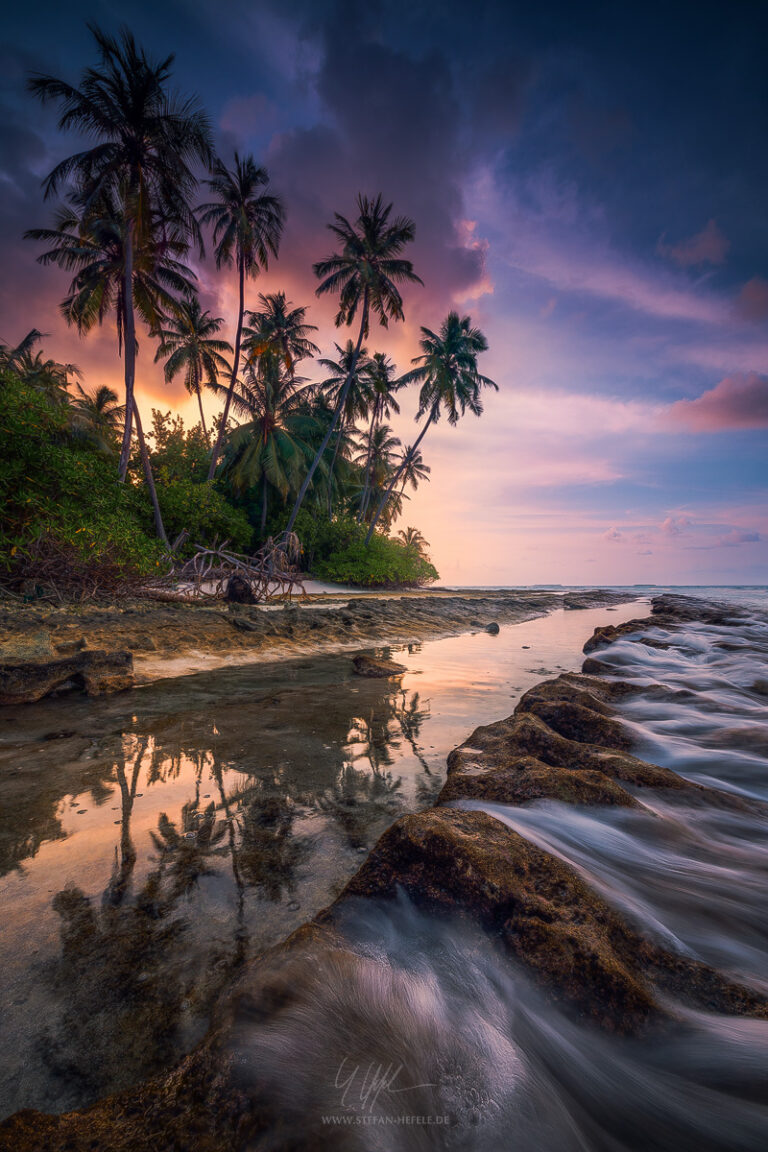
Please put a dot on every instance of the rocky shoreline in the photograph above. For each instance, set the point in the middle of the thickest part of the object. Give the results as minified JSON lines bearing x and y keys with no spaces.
{"x":106,"y":648}
{"x":565,"y":742}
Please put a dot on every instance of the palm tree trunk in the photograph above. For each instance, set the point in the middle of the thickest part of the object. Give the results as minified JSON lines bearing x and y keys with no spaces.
{"x":202,"y":416}
{"x":342,"y":426}
{"x":398,"y":473}
{"x":147,"y":466}
{"x":365,"y":497}
{"x":129,"y":340}
{"x":263,"y":505}
{"x":235,"y":365}
{"x":339,"y":409}
{"x":199,"y":392}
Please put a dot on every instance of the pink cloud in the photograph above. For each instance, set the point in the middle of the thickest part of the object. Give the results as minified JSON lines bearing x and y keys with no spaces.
{"x":710,"y":246}
{"x":753,"y":299}
{"x":613,"y":534}
{"x":738,"y":401}
{"x":675,"y":525}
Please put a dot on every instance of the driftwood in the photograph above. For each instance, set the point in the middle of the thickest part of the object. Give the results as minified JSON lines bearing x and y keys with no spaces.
{"x":270,"y":574}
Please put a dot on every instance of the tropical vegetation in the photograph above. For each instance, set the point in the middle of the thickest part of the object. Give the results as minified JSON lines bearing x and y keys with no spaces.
{"x":288,"y":439}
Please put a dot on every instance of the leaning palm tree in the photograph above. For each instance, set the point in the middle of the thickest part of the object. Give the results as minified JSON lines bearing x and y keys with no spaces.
{"x":97,"y":417}
{"x":358,"y":401}
{"x":365,"y":273}
{"x":449,"y":377}
{"x":247,"y":227}
{"x":189,"y":345}
{"x":146,"y":141}
{"x":381,"y":371}
{"x":96,"y":244}
{"x":280,"y":329}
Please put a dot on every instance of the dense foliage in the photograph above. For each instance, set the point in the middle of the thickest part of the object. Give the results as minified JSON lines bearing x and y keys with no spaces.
{"x":336,"y":550}
{"x":288,"y":449}
{"x":61,"y":497}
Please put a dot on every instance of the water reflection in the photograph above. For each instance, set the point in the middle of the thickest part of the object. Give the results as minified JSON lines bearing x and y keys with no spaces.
{"x":150,"y":843}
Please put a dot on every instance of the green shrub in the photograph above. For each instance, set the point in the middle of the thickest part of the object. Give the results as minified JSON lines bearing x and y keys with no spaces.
{"x":59,"y":496}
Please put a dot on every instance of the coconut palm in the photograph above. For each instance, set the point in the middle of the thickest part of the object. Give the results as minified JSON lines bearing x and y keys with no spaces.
{"x":247,"y":226}
{"x":414,"y":470}
{"x":97,"y":417}
{"x":365,"y":273}
{"x":280,"y":329}
{"x":377,"y":456}
{"x":358,"y":401}
{"x":414,"y":541}
{"x":381,"y":371}
{"x":146,"y":141}
{"x":189,"y":345}
{"x":274,"y":445}
{"x":96,"y":243}
{"x":449,"y":377}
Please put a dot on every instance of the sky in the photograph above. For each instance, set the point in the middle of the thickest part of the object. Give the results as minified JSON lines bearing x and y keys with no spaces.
{"x":589,"y":182}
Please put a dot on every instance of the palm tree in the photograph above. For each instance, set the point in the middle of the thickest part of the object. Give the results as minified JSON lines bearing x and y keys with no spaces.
{"x":146,"y":141}
{"x":380,"y":373}
{"x":188,"y":342}
{"x":275,"y":444}
{"x":449,"y":378}
{"x":97,"y":417}
{"x":280,"y":329}
{"x":96,"y":243}
{"x":247,"y":227}
{"x":365,"y":273}
{"x":414,"y":470}
{"x":358,"y":401}
{"x":377,"y":455}
{"x":414,"y":541}
{"x":38,"y":371}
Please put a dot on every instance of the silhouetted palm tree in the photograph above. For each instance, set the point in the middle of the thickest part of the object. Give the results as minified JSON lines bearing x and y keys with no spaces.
{"x":359,"y":397}
{"x":94,"y":242}
{"x":381,"y":371}
{"x":449,"y":377}
{"x":146,"y":141}
{"x":247,"y":227}
{"x":414,"y":541}
{"x":188,"y":343}
{"x":377,"y":455}
{"x":97,"y":417}
{"x":279,"y":329}
{"x":365,"y":273}
{"x":413,"y":470}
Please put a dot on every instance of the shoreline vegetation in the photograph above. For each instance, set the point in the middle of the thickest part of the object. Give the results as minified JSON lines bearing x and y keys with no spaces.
{"x":98,"y":501}
{"x":564,"y":741}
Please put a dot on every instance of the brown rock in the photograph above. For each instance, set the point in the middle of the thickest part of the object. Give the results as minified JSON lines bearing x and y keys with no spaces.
{"x":96,"y":673}
{"x":377,"y":668}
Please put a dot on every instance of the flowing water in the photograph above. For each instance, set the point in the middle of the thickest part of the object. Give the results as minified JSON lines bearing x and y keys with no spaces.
{"x":151,"y":842}
{"x":435,"y":1040}
{"x":428,"y":1037}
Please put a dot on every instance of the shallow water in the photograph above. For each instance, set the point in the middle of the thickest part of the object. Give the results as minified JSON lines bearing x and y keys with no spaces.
{"x":152,"y":841}
{"x":432,"y":1039}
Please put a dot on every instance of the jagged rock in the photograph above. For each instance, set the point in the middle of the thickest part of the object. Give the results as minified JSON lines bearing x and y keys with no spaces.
{"x":95,"y":673}
{"x":377,"y":668}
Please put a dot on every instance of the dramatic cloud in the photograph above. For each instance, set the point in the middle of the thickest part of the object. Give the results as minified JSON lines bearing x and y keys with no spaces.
{"x":739,"y":401}
{"x":709,"y":246}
